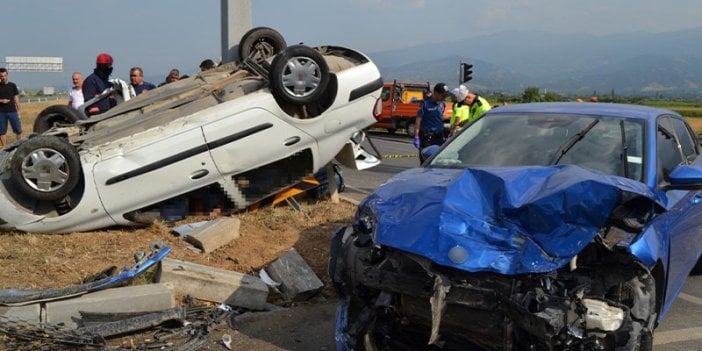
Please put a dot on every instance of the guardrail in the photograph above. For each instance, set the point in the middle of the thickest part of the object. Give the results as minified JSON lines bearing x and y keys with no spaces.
{"x":26,"y":100}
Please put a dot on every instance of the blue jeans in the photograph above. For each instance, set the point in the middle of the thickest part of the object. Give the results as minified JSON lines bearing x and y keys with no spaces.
{"x":14,"y":120}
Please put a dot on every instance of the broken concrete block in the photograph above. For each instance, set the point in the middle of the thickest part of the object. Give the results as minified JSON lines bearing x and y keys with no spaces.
{"x":297,"y":280}
{"x":213,"y":284}
{"x":214,"y":234}
{"x":140,"y":298}
{"x":28,"y":313}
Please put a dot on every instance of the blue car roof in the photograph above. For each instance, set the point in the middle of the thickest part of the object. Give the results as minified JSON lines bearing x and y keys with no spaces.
{"x":585,"y":108}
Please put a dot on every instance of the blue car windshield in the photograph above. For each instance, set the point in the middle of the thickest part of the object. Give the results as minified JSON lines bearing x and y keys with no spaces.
{"x":606,"y":144}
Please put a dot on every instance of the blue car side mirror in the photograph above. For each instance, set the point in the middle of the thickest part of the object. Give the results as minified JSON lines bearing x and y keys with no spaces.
{"x":686,"y":177}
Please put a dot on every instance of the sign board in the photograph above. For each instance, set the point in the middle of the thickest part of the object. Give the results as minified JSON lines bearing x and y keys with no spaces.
{"x":34,"y":64}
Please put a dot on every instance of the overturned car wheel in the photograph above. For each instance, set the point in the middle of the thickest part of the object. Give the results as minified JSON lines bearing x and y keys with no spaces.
{"x":261,"y":43}
{"x":45,"y":168}
{"x":299,"y":75}
{"x":55,"y":115}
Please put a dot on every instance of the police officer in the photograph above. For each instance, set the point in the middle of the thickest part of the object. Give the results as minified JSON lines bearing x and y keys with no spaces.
{"x":429,"y":123}
{"x":477,"y":105}
{"x":461,"y":111}
{"x":98,"y":81}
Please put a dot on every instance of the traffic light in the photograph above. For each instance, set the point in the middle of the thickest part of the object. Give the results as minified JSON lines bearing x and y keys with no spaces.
{"x":466,"y":72}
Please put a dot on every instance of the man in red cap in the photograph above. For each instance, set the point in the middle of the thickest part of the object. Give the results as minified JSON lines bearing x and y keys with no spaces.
{"x":98,"y":81}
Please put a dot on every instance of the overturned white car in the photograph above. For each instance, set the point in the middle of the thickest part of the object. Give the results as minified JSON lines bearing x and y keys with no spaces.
{"x":244,"y":130}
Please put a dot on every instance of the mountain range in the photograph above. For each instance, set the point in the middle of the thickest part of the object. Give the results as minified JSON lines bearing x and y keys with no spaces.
{"x":633,"y":64}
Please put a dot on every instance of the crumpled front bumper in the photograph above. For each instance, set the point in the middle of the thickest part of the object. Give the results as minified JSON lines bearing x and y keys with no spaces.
{"x":482,"y":309}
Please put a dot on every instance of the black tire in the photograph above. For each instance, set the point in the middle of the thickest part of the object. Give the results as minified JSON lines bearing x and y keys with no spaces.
{"x":697,"y":270}
{"x":54,"y":115}
{"x":307,"y":66}
{"x":261,"y":43}
{"x":392,"y":130}
{"x":45,"y":168}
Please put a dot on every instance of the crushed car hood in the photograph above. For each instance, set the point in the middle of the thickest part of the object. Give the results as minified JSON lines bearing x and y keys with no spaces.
{"x":506,"y":220}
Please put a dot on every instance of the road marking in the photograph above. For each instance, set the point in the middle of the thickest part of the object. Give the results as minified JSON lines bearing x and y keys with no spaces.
{"x":399,"y":156}
{"x":671,"y":336}
{"x":690,"y":298}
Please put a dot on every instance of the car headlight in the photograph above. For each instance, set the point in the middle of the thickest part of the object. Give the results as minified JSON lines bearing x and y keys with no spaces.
{"x":365,"y":226}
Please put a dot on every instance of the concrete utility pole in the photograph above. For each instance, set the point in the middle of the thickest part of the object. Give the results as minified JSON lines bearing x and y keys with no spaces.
{"x":236,"y":21}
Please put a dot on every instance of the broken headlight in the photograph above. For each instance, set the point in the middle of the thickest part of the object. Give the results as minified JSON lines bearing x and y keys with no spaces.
{"x":365,"y":226}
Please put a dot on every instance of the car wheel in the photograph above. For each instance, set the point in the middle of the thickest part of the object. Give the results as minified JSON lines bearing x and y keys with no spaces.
{"x":697,"y":270}
{"x":260,"y":44}
{"x":392,"y":130}
{"x":299,"y":75}
{"x":410,"y":130}
{"x":45,"y":168}
{"x":54,"y":115}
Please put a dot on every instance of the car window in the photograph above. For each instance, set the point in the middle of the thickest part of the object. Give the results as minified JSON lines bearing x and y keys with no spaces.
{"x":668,"y":152}
{"x":686,"y":138}
{"x":385,"y":94}
{"x":596,"y":142}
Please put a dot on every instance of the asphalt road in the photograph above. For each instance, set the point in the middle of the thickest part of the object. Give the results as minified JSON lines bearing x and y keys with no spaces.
{"x":680,"y":330}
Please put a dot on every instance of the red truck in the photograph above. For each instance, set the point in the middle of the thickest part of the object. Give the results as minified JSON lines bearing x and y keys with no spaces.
{"x":400,"y":104}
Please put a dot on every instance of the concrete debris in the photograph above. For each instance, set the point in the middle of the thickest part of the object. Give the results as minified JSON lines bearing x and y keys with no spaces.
{"x":214,"y":234}
{"x":213,"y":284}
{"x":297,"y":280}
{"x":139,"y":298}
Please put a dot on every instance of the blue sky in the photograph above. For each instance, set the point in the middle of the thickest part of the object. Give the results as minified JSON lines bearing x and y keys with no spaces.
{"x":160,"y":34}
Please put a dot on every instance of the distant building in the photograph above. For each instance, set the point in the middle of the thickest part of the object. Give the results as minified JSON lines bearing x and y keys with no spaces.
{"x":49,"y":91}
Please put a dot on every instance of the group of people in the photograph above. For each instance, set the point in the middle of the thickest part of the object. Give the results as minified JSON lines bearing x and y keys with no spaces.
{"x":91,"y":86}
{"x":429,"y":125}
{"x":98,"y":81}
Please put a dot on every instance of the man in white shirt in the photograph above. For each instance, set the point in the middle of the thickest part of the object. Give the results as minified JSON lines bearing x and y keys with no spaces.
{"x":76,"y":95}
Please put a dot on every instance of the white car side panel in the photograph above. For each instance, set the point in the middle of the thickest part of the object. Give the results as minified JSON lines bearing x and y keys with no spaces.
{"x":174,"y":172}
{"x":270,"y":139}
{"x":88,"y":214}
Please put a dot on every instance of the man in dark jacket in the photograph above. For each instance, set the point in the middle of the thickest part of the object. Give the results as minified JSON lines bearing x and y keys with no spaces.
{"x":9,"y":107}
{"x":97,"y":82}
{"x":429,"y":124}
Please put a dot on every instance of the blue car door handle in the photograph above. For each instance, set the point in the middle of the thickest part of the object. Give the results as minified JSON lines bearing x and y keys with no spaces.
{"x":696,"y":199}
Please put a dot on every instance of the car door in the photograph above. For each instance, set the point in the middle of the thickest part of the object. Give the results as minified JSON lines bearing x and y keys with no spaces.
{"x":676,"y":145}
{"x":258,"y":153}
{"x":149,"y":168}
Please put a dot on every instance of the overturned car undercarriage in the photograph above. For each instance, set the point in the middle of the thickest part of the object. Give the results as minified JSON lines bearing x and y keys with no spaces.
{"x":581,"y":306}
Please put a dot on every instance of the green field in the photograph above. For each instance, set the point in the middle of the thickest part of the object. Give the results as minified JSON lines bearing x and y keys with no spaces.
{"x":690,"y":109}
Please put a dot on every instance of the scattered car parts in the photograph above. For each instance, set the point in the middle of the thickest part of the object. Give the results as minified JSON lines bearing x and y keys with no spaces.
{"x":143,"y":261}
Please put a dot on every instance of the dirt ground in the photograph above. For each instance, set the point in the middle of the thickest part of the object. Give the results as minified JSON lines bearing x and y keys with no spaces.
{"x":59,"y":260}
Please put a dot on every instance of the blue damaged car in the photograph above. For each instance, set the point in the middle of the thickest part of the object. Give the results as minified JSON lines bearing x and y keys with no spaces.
{"x":554,"y":226}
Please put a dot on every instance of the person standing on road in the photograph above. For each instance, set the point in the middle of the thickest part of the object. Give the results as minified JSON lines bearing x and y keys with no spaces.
{"x":459,"y":117}
{"x":76,"y":94}
{"x":136,"y":77}
{"x":429,"y":122}
{"x":9,"y":107}
{"x":97,"y":82}
{"x":477,"y":105}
